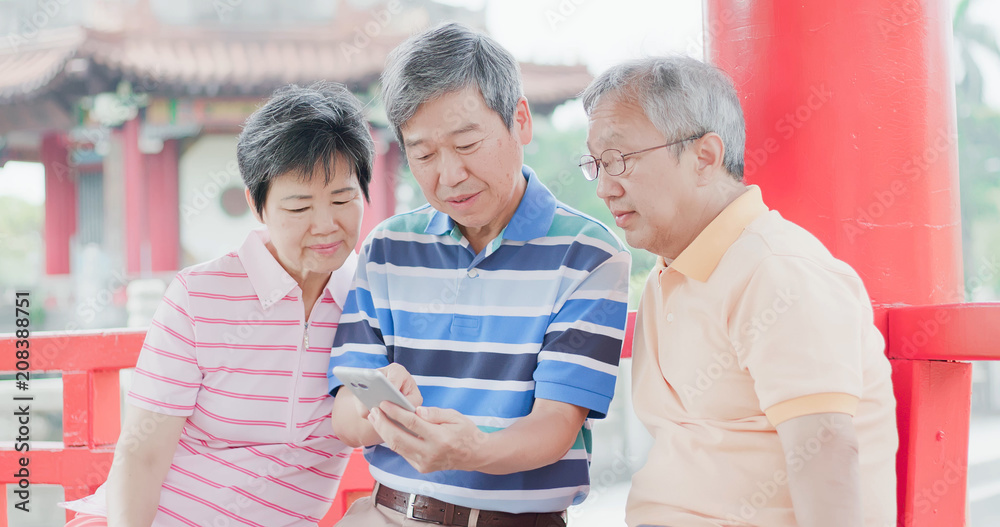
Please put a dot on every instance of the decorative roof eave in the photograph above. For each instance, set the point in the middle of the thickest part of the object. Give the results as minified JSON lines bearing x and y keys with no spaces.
{"x":28,"y":66}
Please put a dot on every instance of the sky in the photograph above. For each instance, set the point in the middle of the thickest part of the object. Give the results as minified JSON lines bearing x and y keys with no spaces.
{"x":23,"y":180}
{"x":598,"y":33}
{"x":988,"y":12}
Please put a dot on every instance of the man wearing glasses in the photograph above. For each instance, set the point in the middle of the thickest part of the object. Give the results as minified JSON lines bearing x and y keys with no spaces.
{"x":757,"y":367}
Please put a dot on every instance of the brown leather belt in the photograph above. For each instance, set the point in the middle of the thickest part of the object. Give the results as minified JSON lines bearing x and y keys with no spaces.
{"x":427,"y":509}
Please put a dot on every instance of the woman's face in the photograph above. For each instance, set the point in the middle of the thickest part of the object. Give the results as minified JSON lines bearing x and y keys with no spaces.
{"x":313,"y":226}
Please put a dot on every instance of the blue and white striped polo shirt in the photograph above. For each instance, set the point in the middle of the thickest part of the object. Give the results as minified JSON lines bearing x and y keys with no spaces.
{"x":539,"y":313}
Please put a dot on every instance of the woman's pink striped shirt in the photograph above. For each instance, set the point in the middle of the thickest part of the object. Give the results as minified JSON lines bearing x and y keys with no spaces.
{"x":229,"y":348}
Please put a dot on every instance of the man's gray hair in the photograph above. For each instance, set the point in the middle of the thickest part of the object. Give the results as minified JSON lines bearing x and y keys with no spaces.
{"x":682,"y":97}
{"x":447,"y":58}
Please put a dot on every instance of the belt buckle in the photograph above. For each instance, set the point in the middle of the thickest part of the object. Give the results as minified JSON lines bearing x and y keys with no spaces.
{"x":410,"y":498}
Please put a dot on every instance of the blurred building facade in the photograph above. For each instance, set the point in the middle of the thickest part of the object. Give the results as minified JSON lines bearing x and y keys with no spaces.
{"x":134,"y":107}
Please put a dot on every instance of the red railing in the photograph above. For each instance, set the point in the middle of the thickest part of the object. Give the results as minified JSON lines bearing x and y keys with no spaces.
{"x":933,"y":387}
{"x":89,"y":363}
{"x":933,"y":392}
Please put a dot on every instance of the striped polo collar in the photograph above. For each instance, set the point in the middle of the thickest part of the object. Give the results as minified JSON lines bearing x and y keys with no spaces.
{"x":531,"y":220}
{"x":271,"y":282}
{"x":699,"y":259}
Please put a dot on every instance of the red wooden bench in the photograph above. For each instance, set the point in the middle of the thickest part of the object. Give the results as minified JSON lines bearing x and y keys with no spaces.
{"x":928,"y":347}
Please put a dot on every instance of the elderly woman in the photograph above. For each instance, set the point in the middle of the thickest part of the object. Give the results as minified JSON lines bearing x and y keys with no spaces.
{"x":228,"y":421}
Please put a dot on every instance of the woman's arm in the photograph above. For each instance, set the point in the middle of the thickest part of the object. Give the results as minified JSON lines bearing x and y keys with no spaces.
{"x":143,"y":455}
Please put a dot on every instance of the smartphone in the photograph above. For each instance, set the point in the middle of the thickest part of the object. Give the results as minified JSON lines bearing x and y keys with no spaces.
{"x":371,"y":387}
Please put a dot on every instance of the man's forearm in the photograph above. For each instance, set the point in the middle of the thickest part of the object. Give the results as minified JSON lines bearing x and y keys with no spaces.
{"x":447,"y":440}
{"x":536,"y":440}
{"x":825,"y":485}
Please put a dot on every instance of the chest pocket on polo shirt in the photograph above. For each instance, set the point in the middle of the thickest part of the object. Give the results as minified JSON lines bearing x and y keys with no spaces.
{"x":465,"y":326}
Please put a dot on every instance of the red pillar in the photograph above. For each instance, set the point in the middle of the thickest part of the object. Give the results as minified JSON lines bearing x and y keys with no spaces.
{"x":135,"y":198}
{"x":60,"y":203}
{"x":382,"y":189}
{"x":851,"y":133}
{"x":164,"y":208}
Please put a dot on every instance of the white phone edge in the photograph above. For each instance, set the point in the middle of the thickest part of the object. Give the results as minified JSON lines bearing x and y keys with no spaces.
{"x":379,"y":386}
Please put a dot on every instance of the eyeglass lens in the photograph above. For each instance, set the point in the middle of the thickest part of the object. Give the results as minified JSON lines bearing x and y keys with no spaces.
{"x":589,"y":167}
{"x":613,"y":162}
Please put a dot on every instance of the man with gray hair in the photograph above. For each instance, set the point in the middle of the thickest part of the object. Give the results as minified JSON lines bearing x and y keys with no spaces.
{"x":496,"y":310}
{"x":757,"y":367}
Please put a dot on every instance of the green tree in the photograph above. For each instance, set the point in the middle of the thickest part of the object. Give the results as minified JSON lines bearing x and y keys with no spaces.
{"x":21,"y":240}
{"x":978,"y":154}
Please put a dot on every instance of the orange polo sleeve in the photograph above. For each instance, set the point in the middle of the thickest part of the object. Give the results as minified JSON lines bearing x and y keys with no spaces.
{"x":799,"y":328}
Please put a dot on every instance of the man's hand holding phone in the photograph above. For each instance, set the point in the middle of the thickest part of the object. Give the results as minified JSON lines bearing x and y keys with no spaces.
{"x":370,"y":387}
{"x":389,"y":402}
{"x":404,"y":382}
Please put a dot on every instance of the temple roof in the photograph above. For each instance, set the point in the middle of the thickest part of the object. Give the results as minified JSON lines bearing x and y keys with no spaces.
{"x":211,"y":62}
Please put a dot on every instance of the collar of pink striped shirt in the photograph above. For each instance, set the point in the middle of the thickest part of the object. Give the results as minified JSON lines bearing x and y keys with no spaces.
{"x":271,"y":282}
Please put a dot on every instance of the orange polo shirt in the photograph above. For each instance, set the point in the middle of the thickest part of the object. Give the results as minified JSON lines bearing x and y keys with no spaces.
{"x":753,"y":324}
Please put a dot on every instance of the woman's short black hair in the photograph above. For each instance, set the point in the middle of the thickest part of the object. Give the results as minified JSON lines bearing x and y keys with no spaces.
{"x":299,"y":129}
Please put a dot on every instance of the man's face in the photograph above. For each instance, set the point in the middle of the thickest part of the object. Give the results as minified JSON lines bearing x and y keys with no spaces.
{"x":650,"y":200}
{"x":466,"y":161}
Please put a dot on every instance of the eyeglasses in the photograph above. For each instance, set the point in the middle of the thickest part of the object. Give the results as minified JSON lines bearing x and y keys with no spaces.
{"x":613,"y":160}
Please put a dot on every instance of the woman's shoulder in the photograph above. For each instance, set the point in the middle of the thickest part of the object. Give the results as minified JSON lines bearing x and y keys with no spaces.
{"x":227,"y":266}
